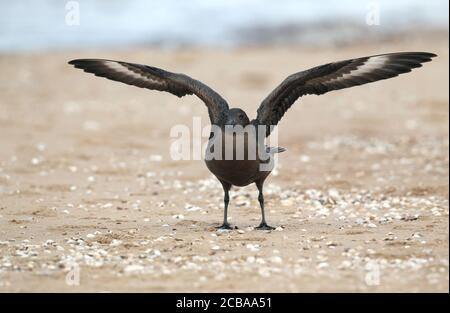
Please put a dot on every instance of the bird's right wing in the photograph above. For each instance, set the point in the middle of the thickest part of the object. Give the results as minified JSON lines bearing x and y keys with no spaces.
{"x":149,"y":77}
{"x":334,"y":76}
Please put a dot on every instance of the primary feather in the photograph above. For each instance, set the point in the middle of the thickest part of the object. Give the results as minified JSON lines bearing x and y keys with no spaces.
{"x":154,"y":78}
{"x":335,"y":76}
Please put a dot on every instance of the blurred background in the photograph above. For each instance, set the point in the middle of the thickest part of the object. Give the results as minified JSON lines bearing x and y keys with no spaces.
{"x":30,"y":25}
{"x":86,"y":176}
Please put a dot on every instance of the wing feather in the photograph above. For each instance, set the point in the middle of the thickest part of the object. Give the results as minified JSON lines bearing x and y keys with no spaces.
{"x":153,"y":78}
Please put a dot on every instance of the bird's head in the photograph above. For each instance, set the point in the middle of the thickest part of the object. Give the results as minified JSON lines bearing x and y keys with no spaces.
{"x":237,"y":117}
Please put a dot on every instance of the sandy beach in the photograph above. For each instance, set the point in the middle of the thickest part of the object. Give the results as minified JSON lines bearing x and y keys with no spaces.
{"x":91,"y":201}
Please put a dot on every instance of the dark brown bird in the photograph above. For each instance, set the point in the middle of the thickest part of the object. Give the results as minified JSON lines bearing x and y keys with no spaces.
{"x":247,"y":170}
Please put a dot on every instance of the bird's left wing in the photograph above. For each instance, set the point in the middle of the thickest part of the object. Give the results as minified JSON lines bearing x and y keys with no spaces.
{"x":334,"y":76}
{"x":149,"y":77}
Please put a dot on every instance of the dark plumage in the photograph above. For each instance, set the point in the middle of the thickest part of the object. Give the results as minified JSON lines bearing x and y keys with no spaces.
{"x":247,"y":170}
{"x":334,"y":76}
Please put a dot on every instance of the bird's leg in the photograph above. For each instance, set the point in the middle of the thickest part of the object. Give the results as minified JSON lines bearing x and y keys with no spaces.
{"x":226,"y":200}
{"x":263,"y":225}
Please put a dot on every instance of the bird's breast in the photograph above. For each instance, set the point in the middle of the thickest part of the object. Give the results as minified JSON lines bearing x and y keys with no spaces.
{"x":234,"y":158}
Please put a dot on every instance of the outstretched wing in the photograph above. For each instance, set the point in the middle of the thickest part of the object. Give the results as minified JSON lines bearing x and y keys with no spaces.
{"x":334,"y":76}
{"x":149,"y":77}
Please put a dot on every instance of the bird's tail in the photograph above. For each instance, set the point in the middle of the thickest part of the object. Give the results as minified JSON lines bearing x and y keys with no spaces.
{"x":273,"y":150}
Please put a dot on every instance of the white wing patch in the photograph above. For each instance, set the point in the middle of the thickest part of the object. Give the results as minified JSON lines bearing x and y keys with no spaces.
{"x":119,"y":68}
{"x":371,"y":64}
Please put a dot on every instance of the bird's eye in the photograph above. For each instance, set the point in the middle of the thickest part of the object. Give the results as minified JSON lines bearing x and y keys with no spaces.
{"x":241,"y":116}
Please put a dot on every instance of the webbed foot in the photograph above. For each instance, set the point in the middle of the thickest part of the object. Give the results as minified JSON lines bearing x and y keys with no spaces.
{"x":264,"y":226}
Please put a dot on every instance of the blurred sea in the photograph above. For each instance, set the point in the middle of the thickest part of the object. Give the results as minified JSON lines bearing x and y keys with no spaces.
{"x":40,"y":25}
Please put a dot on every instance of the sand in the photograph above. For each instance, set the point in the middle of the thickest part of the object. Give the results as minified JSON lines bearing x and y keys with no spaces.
{"x":91,"y":201}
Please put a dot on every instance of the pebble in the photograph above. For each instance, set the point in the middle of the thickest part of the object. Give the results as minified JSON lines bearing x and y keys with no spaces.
{"x":133,"y":268}
{"x":115,"y":242}
{"x":276,"y":259}
{"x":192,"y":208}
{"x":322,"y":265}
{"x":253,"y":247}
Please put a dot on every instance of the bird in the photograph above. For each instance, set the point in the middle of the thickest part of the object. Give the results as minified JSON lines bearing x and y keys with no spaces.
{"x":248,"y":169}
